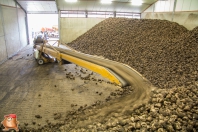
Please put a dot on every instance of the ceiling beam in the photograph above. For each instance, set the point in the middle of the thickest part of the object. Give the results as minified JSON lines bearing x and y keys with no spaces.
{"x":20,"y":6}
{"x":42,"y":12}
{"x":56,"y":5}
{"x":35,"y":0}
{"x":99,"y":11}
{"x":95,"y":1}
{"x":149,"y":6}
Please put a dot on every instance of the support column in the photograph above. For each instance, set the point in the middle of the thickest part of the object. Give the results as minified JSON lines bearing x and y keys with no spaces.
{"x":86,"y":14}
{"x":26,"y":20}
{"x":175,"y":3}
{"x":153,"y":10}
{"x":27,"y":29}
{"x":114,"y":14}
{"x":3,"y":26}
{"x":17,"y":12}
{"x":59,"y":26}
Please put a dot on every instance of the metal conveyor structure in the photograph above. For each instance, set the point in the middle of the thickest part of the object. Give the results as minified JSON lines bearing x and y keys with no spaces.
{"x":117,"y":73}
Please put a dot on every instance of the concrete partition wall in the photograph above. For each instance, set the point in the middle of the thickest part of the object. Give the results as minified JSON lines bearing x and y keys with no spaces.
{"x":22,"y":27}
{"x":12,"y":29}
{"x":3,"y":52}
{"x":71,"y":28}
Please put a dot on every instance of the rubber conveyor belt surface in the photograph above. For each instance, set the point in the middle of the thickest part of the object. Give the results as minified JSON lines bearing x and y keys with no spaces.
{"x":141,"y":86}
{"x":126,"y":74}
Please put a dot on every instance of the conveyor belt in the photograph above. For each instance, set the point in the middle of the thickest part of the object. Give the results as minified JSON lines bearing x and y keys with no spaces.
{"x":123,"y":73}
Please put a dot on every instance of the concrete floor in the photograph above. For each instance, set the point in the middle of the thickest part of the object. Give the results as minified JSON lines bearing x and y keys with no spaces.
{"x":28,"y":89}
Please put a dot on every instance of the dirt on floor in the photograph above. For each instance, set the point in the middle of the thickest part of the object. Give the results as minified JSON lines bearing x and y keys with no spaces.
{"x":39,"y":94}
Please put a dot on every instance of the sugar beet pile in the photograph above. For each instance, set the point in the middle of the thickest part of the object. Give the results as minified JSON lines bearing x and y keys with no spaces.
{"x":164,"y":52}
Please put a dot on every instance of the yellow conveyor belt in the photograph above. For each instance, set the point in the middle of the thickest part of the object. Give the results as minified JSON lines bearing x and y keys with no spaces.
{"x":117,"y":73}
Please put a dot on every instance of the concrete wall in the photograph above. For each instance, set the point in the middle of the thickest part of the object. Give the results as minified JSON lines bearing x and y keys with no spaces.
{"x":22,"y":27}
{"x":186,"y":12}
{"x":12,"y":29}
{"x":3,"y":52}
{"x":71,"y":28}
{"x":7,"y":2}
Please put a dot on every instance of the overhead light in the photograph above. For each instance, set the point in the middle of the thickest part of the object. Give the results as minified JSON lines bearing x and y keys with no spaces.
{"x":106,"y":1}
{"x":71,"y":1}
{"x":136,"y":2}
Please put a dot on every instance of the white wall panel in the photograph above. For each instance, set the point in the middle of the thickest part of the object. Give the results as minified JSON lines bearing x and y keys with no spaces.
{"x":171,"y":5}
{"x":22,"y":27}
{"x":187,"y":19}
{"x":194,"y":5}
{"x":116,"y":7}
{"x":3,"y":53}
{"x":167,"y":6}
{"x":3,"y":2}
{"x":1,"y":24}
{"x":8,"y":2}
{"x":150,"y":9}
{"x":11,"y":3}
{"x":179,"y":5}
{"x":159,"y":6}
{"x":11,"y":30}
{"x":186,"y":5}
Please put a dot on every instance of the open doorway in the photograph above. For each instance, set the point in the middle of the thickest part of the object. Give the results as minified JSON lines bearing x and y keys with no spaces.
{"x":45,"y":24}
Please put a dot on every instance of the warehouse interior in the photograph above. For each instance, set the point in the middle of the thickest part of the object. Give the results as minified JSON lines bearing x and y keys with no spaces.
{"x":117,"y":65}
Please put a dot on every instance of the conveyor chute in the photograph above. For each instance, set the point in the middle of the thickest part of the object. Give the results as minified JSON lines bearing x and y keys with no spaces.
{"x":117,"y":73}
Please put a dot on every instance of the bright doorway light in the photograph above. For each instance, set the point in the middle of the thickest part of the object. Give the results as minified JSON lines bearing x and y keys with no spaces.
{"x":72,"y":1}
{"x":106,"y":1}
{"x":136,"y":2}
{"x":48,"y":23}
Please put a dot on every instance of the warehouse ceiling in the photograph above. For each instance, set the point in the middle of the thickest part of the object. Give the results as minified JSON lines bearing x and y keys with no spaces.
{"x":38,"y":6}
{"x":52,"y":6}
